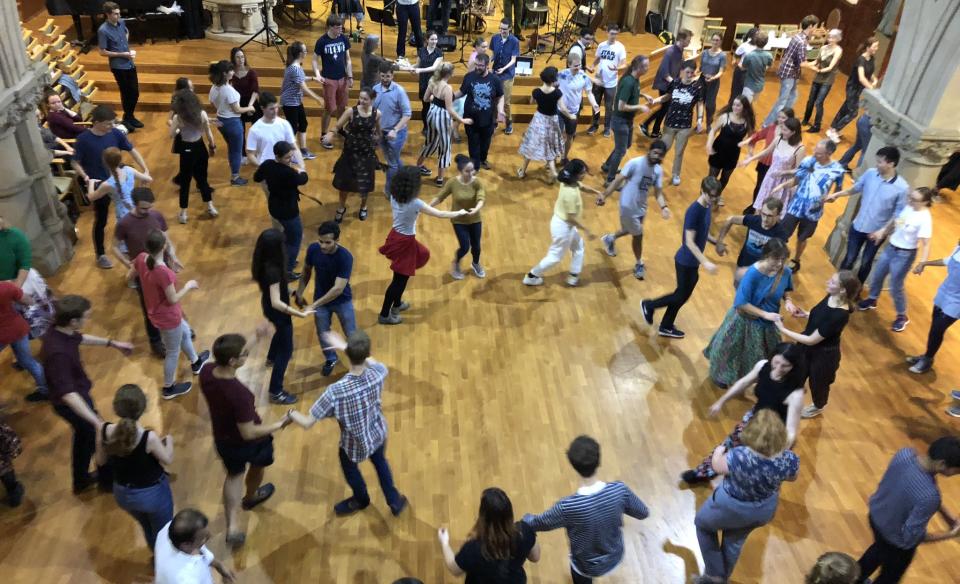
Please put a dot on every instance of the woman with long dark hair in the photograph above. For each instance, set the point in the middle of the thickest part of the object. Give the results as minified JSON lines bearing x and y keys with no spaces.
{"x":269,"y":271}
{"x":779,"y":380}
{"x":821,"y":336}
{"x":406,"y":254}
{"x":355,"y":170}
{"x":862,"y":76}
{"x":734,"y":122}
{"x":439,"y":122}
{"x":137,"y":457}
{"x":247,"y":84}
{"x":227,"y":101}
{"x":497,"y":547}
{"x":468,"y":193}
{"x":190,"y":122}
{"x":785,"y":151}
{"x":158,"y":283}
{"x":291,"y":95}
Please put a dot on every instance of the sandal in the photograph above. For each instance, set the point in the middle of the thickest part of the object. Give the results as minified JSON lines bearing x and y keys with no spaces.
{"x":263,"y":493}
{"x":340,"y":213}
{"x":521,"y":173}
{"x":362,"y":215}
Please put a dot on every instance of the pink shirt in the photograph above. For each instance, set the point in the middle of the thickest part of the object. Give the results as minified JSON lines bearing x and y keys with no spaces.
{"x":163,"y":315}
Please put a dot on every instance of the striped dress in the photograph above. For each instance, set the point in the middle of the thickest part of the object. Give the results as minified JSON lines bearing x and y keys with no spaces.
{"x":439,"y":131}
{"x":593,"y":519}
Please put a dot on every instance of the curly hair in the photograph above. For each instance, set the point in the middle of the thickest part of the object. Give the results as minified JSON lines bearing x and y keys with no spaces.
{"x":405,"y":185}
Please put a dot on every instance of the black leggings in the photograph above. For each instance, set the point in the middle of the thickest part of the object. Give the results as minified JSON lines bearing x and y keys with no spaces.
{"x":194,"y":161}
{"x":468,"y":235}
{"x":724,"y":174}
{"x":941,"y":322}
{"x":394,"y":295}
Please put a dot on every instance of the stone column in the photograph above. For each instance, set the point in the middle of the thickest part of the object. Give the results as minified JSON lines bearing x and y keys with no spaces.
{"x":692,"y":13}
{"x":915,"y":108}
{"x":28,"y":199}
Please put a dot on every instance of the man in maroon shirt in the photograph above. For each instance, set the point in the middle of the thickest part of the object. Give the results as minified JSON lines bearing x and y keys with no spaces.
{"x":239,"y":434}
{"x":69,"y":386}
{"x":132,"y":231}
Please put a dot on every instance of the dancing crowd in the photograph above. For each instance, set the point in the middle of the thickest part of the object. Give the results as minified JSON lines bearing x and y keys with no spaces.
{"x":766,"y":345}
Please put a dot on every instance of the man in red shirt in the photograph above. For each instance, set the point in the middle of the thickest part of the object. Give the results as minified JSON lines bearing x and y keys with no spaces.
{"x":15,"y":331}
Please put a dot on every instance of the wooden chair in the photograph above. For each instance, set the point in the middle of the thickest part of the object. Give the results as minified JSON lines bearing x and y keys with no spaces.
{"x":740,"y":31}
{"x":712,"y":21}
{"x":67,"y":183}
{"x":769,"y":28}
{"x":59,"y":46}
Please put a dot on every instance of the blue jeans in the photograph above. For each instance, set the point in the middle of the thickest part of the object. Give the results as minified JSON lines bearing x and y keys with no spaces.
{"x":232,"y":131}
{"x":857,"y":240}
{"x":788,"y":95}
{"x":864,"y":133}
{"x":280,"y":352}
{"x":21,"y":350}
{"x":176,"y":340}
{"x":736,"y":519}
{"x":293,"y":236}
{"x":468,"y":236}
{"x":152,"y":507}
{"x":323,"y":318}
{"x":351,"y":472}
{"x":818,"y":93}
{"x":897,"y":263}
{"x":622,"y":138}
{"x":391,"y":151}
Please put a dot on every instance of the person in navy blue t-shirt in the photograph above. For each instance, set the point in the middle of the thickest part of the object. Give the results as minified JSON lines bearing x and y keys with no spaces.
{"x":760,"y":229}
{"x":333,"y":265}
{"x":689,"y":258}
{"x":332,"y":51}
{"x":505,"y":49}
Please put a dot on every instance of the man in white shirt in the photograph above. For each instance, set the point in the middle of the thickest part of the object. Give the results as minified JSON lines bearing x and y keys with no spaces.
{"x":180,"y":556}
{"x":573,"y":84}
{"x":269,"y":130}
{"x":611,"y":56}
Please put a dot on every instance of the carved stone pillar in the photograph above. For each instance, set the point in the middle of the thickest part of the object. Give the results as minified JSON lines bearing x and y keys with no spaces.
{"x":28,"y":199}
{"x":236,"y":20}
{"x":692,"y":13}
{"x":215,"y":26}
{"x":915,"y":108}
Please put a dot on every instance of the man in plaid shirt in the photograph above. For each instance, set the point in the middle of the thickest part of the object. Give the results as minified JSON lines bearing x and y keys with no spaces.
{"x":354,"y":401}
{"x":791,"y":61}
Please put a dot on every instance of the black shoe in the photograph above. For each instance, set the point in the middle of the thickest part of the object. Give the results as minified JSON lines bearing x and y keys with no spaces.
{"x":592,"y":130}
{"x":84,"y":484}
{"x":645,"y":131}
{"x":133,"y":122}
{"x":795,"y":266}
{"x":349,"y":507}
{"x":263,"y":493}
{"x":18,"y":367}
{"x":158,"y":349}
{"x":328,"y":367}
{"x":399,"y":507}
{"x":130,"y":127}
{"x":671,"y":332}
{"x":604,"y":168}
{"x":268,"y":363}
{"x":424,"y":171}
{"x":692,"y":478}
{"x":177,"y":389}
{"x":283,"y":398}
{"x":813,"y":130}
{"x":509,"y":129}
{"x":38,"y":396}
{"x":15,"y":497}
{"x":647,"y":311}
{"x":197,"y":365}
{"x":485,"y":165}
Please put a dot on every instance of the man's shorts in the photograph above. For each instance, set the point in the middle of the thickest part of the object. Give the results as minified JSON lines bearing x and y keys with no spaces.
{"x":335,"y":94}
{"x":632,"y":224}
{"x":236,"y":457}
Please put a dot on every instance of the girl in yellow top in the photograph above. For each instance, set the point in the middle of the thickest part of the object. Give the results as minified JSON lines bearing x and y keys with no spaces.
{"x":468,"y":193}
{"x":567,"y":217}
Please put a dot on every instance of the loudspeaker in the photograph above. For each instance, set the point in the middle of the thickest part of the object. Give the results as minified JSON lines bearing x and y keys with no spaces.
{"x":447,"y":42}
{"x":654,"y":24}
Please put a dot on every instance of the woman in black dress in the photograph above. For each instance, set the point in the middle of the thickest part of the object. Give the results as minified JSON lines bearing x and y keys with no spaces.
{"x":779,"y":387}
{"x":429,"y":59}
{"x":270,"y":273}
{"x":355,"y":170}
{"x":822,"y":336}
{"x":734,"y":123}
{"x":497,"y":547}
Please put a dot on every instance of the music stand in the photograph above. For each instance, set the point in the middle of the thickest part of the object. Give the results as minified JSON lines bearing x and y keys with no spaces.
{"x":272,"y":38}
{"x":382,"y":16}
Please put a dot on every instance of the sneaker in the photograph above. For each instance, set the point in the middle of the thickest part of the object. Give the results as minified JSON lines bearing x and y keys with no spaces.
{"x":103,"y":262}
{"x":15,"y":497}
{"x":676,"y":180}
{"x":402,"y":307}
{"x":866,"y":304}
{"x":392,"y":318}
{"x":592,"y":130}
{"x":573,"y":279}
{"x":177,"y":389}
{"x":326,"y":146}
{"x":238,"y":181}
{"x":456,"y":272}
{"x":485,"y":165}
{"x":639,"y":271}
{"x":509,"y":129}
{"x":197,"y":365}
{"x":399,"y":507}
{"x":308,"y":155}
{"x":813,"y":130}
{"x":531,"y":280}
{"x":283,"y":398}
{"x":954,"y":411}
{"x":424,"y":171}
{"x":349,"y":507}
{"x":133,"y":122}
{"x":810,"y":411}
{"x":671,"y":331}
{"x":182,"y":217}
{"x":606,"y":133}
{"x":264,"y":492}
{"x":38,"y":396}
{"x":692,"y":478}
{"x":900,"y":323}
{"x":647,"y":311}
{"x":604,"y":169}
{"x":328,"y":367}
{"x":478,"y":271}
{"x":212,"y":211}
{"x":609,"y":244}
{"x":921,"y":365}
{"x":645,"y":131}
{"x":293,"y":276}
{"x":955,"y":394}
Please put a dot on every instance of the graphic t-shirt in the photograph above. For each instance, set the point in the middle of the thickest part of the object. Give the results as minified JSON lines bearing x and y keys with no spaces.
{"x":333,"y":53}
{"x":640,"y":176}
{"x":611,"y":56}
{"x":683,"y":98}
{"x":572,"y":87}
{"x":482,"y":95}
{"x":814,"y":181}
{"x":756,"y":238}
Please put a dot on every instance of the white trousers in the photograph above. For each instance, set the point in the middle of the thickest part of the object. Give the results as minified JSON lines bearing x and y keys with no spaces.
{"x":563,"y":237}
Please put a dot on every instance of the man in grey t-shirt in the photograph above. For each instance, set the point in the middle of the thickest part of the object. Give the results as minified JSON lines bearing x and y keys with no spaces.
{"x":755,"y":66}
{"x":635,"y":180}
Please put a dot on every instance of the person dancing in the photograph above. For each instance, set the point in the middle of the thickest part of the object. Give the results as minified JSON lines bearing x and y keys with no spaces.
{"x":748,"y":496}
{"x":825,"y":323}
{"x":785,"y":151}
{"x":723,"y":149}
{"x":760,"y":229}
{"x":188,"y":127}
{"x":573,"y":84}
{"x":861,"y":77}
{"x":439,"y":122}
{"x":779,"y":387}
{"x":282,"y":178}
{"x":332,"y":69}
{"x":747,"y":333}
{"x":713,"y":63}
{"x":767,"y":135}
{"x":828,"y":58}
{"x":227,"y":101}
{"x":355,"y":170}
{"x":626,"y":105}
{"x":119,"y":187}
{"x":429,"y":60}
{"x":684,"y":94}
{"x":745,"y":47}
{"x":567,"y":218}
{"x":468,"y":193}
{"x":406,"y":254}
{"x":543,"y":140}
{"x":946,"y":309}
{"x":291,"y":95}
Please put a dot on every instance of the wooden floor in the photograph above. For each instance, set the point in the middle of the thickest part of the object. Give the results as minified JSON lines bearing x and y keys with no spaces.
{"x":490,"y":380}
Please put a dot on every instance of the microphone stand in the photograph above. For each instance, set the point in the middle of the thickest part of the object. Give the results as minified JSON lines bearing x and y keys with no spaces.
{"x":271,"y":37}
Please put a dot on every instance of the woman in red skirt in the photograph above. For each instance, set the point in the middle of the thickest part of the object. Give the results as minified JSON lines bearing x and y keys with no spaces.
{"x":405,"y":253}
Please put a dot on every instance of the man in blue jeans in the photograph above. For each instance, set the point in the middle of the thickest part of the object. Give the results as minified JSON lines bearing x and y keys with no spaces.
{"x":355,"y":402}
{"x":883,"y":195}
{"x":331,"y":294}
{"x":395,"y":113}
{"x":626,"y":106}
{"x":793,"y":59}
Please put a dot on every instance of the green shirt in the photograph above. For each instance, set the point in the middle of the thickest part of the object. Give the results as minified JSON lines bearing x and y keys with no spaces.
{"x":464,"y":197}
{"x":628,"y":91}
{"x":14,"y":253}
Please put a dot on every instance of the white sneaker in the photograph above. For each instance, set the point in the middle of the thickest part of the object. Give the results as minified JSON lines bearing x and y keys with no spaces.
{"x":810,"y":411}
{"x":456,"y":272}
{"x":676,"y":180}
{"x":531,"y":280}
{"x":573,"y":279}
{"x":478,"y":271}
{"x":182,"y":217}
{"x":211,"y":210}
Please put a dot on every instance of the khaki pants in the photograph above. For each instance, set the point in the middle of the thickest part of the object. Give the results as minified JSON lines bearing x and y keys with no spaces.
{"x":507,"y":93}
{"x":680,"y":135}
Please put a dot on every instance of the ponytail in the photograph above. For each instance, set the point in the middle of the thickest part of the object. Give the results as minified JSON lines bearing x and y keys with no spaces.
{"x":156,"y":242}
{"x":112,"y":159}
{"x":128,"y":404}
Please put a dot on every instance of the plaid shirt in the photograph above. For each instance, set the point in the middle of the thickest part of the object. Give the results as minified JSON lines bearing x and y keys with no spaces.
{"x":793,"y":57}
{"x":355,"y":402}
